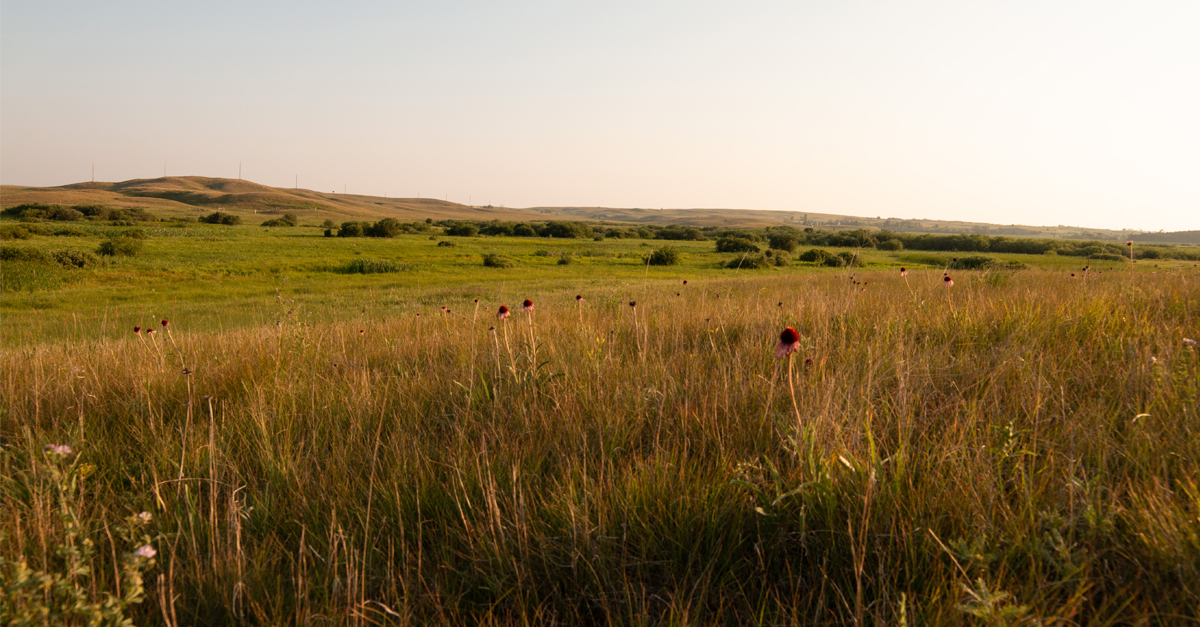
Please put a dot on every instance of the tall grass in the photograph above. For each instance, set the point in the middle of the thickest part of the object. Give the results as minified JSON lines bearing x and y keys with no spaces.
{"x":997,"y":451}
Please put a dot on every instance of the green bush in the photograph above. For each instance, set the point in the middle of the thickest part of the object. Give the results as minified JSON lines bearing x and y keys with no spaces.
{"x":120,"y":246}
{"x":890,"y":244}
{"x":665,"y":256}
{"x":387,"y":227}
{"x":71,"y":231}
{"x":779,"y":257}
{"x":735,"y":245}
{"x":351,"y":229}
{"x":75,"y":258}
{"x":783,"y":241}
{"x":12,"y":253}
{"x":372,"y":266}
{"x":815,"y":255}
{"x":565,"y":259}
{"x":444,"y":243}
{"x":492,"y":260}
{"x":463,"y":229}
{"x":134,"y":233}
{"x":12,"y":231}
{"x":220,"y":217}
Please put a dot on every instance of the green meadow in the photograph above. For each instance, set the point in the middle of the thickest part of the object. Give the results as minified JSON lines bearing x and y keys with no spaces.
{"x":313,"y":445}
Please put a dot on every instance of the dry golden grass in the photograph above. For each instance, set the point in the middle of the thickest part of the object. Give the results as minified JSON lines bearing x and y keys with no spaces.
{"x":611,"y":464}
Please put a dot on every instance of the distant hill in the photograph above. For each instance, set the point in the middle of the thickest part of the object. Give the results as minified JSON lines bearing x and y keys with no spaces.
{"x":196,"y":195}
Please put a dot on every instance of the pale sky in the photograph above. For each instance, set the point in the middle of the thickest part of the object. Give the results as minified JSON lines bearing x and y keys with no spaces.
{"x":1078,"y":113}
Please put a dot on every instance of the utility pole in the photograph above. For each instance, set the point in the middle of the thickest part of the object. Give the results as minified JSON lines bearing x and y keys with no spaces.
{"x":164,"y":169}
{"x":297,"y":181}
{"x":239,"y":170}
{"x":93,"y":173}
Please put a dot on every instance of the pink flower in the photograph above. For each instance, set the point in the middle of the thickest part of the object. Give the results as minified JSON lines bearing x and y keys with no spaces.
{"x":145,"y":552}
{"x":503,"y":313}
{"x":578,"y":297}
{"x":903,"y":271}
{"x":165,"y":323}
{"x":527,"y":305}
{"x":62,"y":450}
{"x":137,"y":330}
{"x":947,"y":281}
{"x":789,"y":342}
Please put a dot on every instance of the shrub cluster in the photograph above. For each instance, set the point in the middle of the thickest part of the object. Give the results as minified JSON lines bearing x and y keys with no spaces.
{"x":372,"y":266}
{"x":220,"y":217}
{"x":67,"y":258}
{"x":288,"y":219}
{"x":387,"y":227}
{"x":493,"y":260}
{"x":665,"y":256}
{"x":735,"y":244}
{"x":34,"y":212}
{"x":120,"y":246}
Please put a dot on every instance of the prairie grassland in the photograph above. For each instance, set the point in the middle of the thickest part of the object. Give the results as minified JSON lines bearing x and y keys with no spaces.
{"x":1016,"y":448}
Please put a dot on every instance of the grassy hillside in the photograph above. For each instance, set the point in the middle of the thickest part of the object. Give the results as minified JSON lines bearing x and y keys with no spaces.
{"x":192,"y":195}
{"x":311,"y":444}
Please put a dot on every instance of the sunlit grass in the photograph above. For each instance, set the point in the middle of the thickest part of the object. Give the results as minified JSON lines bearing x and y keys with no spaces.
{"x":595,"y":462}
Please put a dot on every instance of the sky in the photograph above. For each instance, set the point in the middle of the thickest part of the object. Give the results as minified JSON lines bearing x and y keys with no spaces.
{"x":1042,"y":113}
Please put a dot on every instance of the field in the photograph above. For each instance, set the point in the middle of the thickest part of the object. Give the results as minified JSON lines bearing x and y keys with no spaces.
{"x":319,"y":446}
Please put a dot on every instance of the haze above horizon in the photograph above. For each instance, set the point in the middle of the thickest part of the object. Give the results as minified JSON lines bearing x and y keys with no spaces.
{"x":1028,"y":113}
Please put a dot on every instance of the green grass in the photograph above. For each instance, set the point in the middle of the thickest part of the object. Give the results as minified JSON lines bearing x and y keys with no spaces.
{"x":1020,"y":432}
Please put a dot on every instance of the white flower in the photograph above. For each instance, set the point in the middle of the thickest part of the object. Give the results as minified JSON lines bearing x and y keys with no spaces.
{"x":61,"y":450}
{"x":145,"y":551}
{"x":144,"y":518}
{"x":1189,"y":341}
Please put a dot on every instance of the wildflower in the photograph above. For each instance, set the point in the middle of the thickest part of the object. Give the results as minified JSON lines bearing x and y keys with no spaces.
{"x":789,"y":342}
{"x":503,"y":313}
{"x":165,"y":323}
{"x":150,"y":331}
{"x":144,"y":518}
{"x":685,"y":281}
{"x":781,"y":304}
{"x":903,"y":271}
{"x":808,"y":362}
{"x":444,"y":310}
{"x":527,"y":305}
{"x":633,"y":303}
{"x":62,"y":450}
{"x":578,"y":298}
{"x":145,"y":551}
{"x":947,"y":281}
{"x":1129,"y":242}
{"x":137,"y":330}
{"x":362,"y":331}
{"x":1189,"y":341}
{"x":491,"y":328}
{"x":1072,"y":275}
{"x":476,"y":300}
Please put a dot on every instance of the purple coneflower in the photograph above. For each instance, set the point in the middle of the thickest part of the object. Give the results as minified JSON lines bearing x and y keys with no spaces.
{"x":137,"y":330}
{"x":165,"y":323}
{"x":503,"y":313}
{"x":527,"y":305}
{"x":578,"y":298}
{"x":633,"y":303}
{"x":685,"y":281}
{"x":808,"y":362}
{"x":789,"y":342}
{"x":903,"y":271}
{"x":151,"y":331}
{"x":947,"y":281}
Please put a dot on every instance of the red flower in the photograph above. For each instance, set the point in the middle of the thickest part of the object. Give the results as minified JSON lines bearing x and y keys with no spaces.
{"x":503,"y":313}
{"x":527,"y":305}
{"x":137,"y":330}
{"x":165,"y":323}
{"x":578,"y":297}
{"x":789,"y":342}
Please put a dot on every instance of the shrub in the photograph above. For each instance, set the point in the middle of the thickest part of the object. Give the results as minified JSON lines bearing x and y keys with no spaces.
{"x":11,"y":253}
{"x":120,"y":246}
{"x":523,"y":230}
{"x":463,"y":229}
{"x":565,"y":259}
{"x":446,"y":243}
{"x":783,"y":241}
{"x":12,"y":231}
{"x":492,"y":260}
{"x":977,"y":262}
{"x":328,"y":224}
{"x":815,"y":255}
{"x":328,"y":232}
{"x":75,"y":258}
{"x":387,"y":227}
{"x":64,"y":214}
{"x":779,"y":257}
{"x":135,"y":233}
{"x":351,"y":229}
{"x":276,"y":222}
{"x":665,"y":256}
{"x":71,"y":231}
{"x":372,"y":266}
{"x":541,"y":253}
{"x":890,"y":244}
{"x":220,"y":217}
{"x":849,"y":259}
{"x":735,"y":245}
